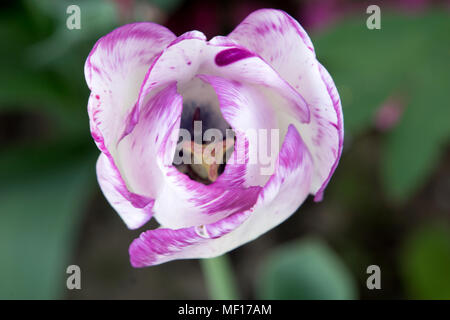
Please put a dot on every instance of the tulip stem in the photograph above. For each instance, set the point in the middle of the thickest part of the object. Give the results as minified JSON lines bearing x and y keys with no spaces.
{"x":219,"y":278}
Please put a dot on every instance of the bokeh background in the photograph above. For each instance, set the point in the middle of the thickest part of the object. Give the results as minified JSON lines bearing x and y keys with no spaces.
{"x":388,"y":203}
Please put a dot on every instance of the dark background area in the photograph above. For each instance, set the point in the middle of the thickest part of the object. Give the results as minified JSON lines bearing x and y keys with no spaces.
{"x":388,"y":203}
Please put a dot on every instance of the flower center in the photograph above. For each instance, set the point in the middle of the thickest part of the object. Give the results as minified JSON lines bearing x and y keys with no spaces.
{"x":205,"y":143}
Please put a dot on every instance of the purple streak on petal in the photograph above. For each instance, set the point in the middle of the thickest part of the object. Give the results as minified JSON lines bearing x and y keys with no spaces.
{"x":249,"y":74}
{"x":161,"y":245}
{"x":231,"y":55}
{"x":138,"y":150}
{"x":294,"y":157}
{"x":130,"y":122}
{"x":332,"y":91}
{"x":113,"y":58}
{"x":133,"y":116}
{"x":134,"y":209}
{"x":137,"y":31}
{"x":136,"y":200}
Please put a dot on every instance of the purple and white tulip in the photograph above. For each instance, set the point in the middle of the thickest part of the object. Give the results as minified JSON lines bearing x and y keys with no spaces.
{"x":147,"y":85}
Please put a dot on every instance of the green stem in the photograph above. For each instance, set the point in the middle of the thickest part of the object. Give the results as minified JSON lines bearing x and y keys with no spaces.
{"x":219,"y":278}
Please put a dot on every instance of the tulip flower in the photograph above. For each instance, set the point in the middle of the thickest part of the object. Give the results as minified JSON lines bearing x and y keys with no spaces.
{"x":149,"y":89}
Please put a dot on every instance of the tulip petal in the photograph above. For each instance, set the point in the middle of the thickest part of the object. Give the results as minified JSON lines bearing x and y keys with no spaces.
{"x":281,"y":41}
{"x":337,"y":150}
{"x":275,"y":204}
{"x":114,"y":71}
{"x":138,"y":151}
{"x":135,"y":210}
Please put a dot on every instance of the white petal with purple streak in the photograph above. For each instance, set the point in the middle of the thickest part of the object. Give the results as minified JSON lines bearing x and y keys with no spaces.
{"x":137,"y":152}
{"x":281,"y":41}
{"x":114,"y":72}
{"x":135,"y":210}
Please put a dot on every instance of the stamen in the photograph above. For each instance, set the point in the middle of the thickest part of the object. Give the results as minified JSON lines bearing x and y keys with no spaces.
{"x":205,"y":162}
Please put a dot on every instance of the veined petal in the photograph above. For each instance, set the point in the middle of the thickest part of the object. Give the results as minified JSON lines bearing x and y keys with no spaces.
{"x":281,"y":41}
{"x":135,"y":210}
{"x":114,"y":72}
{"x":275,"y":204}
{"x":241,"y":64}
{"x":336,"y":150}
{"x":138,"y":151}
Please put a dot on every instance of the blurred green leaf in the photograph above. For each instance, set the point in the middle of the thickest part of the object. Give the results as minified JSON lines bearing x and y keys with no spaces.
{"x":425,"y":263}
{"x":35,"y":76}
{"x":97,"y":19}
{"x":414,"y":148}
{"x":409,"y":55}
{"x":38,"y":222}
{"x":307,"y":269}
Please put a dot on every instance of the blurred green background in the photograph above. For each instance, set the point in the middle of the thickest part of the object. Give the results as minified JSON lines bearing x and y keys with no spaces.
{"x":388,"y":203}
